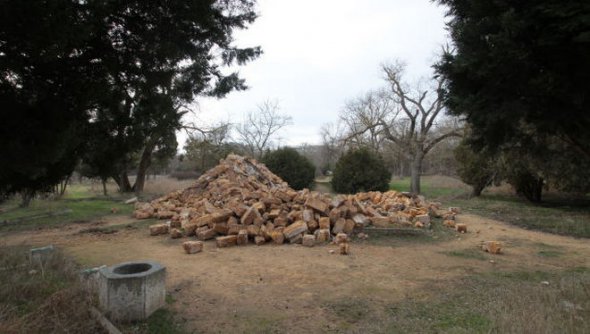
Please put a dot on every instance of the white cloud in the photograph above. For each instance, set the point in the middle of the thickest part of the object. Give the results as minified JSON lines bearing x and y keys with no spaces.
{"x":319,"y":53}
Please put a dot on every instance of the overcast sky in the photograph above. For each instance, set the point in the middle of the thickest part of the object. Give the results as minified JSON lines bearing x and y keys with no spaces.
{"x":320,"y":53}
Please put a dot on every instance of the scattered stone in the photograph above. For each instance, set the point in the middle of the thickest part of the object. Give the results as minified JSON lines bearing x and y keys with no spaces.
{"x":322,"y":235}
{"x":259,"y":240}
{"x":158,"y":229}
{"x":492,"y":247}
{"x":175,"y":233}
{"x":114,"y":210}
{"x":461,"y":228}
{"x":341,"y":238}
{"x":344,"y":248}
{"x":241,"y":194}
{"x":227,"y":241}
{"x":455,"y":210}
{"x":131,"y":200}
{"x":308,"y":240}
{"x":207,"y":234}
{"x":192,"y":247}
{"x":242,"y":239}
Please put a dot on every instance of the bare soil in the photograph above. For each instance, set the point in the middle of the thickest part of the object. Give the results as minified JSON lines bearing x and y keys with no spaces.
{"x":295,"y":289}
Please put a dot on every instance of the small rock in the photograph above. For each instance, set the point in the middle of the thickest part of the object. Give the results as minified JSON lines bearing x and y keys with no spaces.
{"x":546,"y":283}
{"x":331,"y":251}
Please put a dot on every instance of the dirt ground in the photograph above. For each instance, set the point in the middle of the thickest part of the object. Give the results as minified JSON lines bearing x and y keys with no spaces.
{"x":276,"y":288}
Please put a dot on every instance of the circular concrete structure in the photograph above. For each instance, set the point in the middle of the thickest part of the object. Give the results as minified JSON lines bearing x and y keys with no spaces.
{"x":132,"y":291}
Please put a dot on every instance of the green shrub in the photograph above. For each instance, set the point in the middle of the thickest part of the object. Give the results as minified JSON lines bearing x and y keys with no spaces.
{"x":360,"y":170}
{"x":291,"y":166}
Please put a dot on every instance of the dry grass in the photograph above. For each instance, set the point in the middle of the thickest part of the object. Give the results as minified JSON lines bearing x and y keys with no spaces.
{"x":165,"y":184}
{"x":514,"y":302}
{"x":42,"y":296}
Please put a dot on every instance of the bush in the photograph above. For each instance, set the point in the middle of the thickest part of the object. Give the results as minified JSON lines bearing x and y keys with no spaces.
{"x":360,"y":170}
{"x":291,"y":166}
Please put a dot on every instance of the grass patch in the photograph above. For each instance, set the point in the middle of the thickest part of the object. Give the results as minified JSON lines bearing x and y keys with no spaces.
{"x":549,"y":253}
{"x":435,"y":188}
{"x":469,"y":253}
{"x":160,"y":322}
{"x":500,"y":302}
{"x":42,"y":296}
{"x":553,"y":216}
{"x":80,"y":207}
{"x":437,"y":233}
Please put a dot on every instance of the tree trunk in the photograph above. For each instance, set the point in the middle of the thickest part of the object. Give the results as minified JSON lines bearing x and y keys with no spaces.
{"x":104,"y":186}
{"x":416,"y":170}
{"x":26,"y":197}
{"x":144,"y":164}
{"x":122,"y":180}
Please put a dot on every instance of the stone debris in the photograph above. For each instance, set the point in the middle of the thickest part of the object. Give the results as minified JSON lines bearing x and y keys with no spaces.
{"x":158,"y":229}
{"x":241,"y":200}
{"x":192,"y":247}
{"x":461,"y":228}
{"x":492,"y":247}
{"x":344,"y":248}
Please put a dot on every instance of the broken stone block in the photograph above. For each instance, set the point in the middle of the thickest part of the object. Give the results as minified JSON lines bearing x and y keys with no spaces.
{"x":492,"y":247}
{"x":165,"y":214}
{"x":455,"y":210}
{"x":308,"y":240}
{"x":192,"y":247}
{"x":242,"y":238}
{"x":139,"y":214}
{"x":339,"y":226}
{"x":379,"y":221}
{"x":344,"y":248}
{"x":235,"y":229}
{"x":259,"y":240}
{"x":230,"y":240}
{"x":250,"y":215}
{"x":360,"y":220}
{"x":277,"y":237}
{"x":461,"y":228}
{"x":206,"y":234}
{"x":175,"y":233}
{"x":340,"y":238}
{"x":294,"y":229}
{"x":324,"y":223}
{"x":348,"y":226}
{"x":158,"y":229}
{"x":424,"y":219}
{"x":312,"y":225}
{"x":175,"y":223}
{"x":253,"y":230}
{"x":221,"y":228}
{"x":317,"y":205}
{"x":322,"y":235}
{"x":449,"y":223}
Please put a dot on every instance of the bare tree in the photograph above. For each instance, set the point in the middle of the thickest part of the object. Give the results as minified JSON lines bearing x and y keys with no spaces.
{"x":332,"y":144}
{"x":259,"y":127}
{"x":411,"y":119}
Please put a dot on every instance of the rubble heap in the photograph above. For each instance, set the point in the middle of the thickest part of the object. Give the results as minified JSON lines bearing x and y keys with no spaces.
{"x":241,"y":200}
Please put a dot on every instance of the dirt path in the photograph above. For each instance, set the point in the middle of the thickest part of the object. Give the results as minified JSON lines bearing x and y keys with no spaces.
{"x":270,"y":288}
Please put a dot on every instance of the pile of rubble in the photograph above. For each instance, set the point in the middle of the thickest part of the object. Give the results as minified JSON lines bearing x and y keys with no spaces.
{"x":240,"y":200}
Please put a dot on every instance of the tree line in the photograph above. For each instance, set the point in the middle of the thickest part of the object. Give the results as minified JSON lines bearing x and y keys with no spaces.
{"x":107,"y":83}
